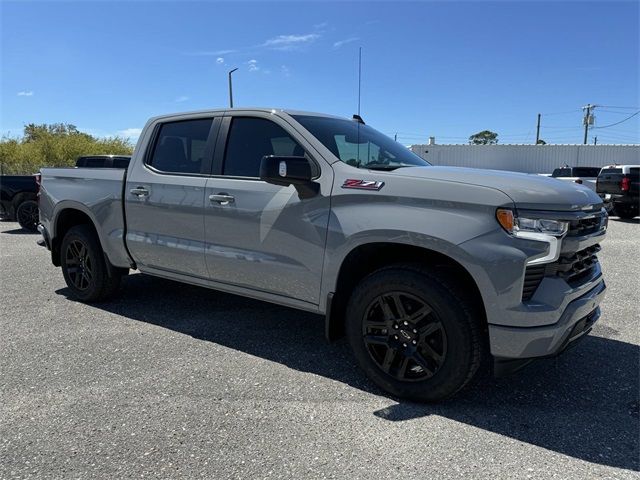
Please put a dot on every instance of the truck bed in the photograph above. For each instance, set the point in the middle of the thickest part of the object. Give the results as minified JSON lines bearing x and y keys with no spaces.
{"x":96,"y":193}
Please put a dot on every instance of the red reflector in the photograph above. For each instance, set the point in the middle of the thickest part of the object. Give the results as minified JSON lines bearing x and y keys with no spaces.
{"x":625,"y":184}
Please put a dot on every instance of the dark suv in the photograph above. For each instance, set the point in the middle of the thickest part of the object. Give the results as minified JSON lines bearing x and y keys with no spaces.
{"x":619,"y":184}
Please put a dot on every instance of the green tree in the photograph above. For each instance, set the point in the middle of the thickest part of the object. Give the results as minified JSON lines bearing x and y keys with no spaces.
{"x":54,"y":145}
{"x":485,"y":137}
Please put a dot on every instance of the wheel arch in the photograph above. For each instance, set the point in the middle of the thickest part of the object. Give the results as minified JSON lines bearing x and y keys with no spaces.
{"x":369,"y":257}
{"x":65,"y":219}
{"x":22,"y":197}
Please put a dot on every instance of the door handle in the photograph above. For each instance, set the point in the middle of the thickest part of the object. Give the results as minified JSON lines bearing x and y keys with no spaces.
{"x":139,"y":192}
{"x":222,"y":198}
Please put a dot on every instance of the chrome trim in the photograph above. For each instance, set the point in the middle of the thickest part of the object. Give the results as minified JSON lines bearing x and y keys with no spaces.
{"x":555,"y":245}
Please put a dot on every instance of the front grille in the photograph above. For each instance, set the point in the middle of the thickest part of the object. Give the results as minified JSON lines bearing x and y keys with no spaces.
{"x":573,"y":268}
{"x":532,"y":278}
{"x":587,"y":225}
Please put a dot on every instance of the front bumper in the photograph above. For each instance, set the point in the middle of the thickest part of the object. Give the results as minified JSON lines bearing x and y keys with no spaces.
{"x":508,"y":342}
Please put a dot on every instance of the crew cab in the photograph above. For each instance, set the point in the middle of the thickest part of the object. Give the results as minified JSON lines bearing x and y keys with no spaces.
{"x":582,"y":175}
{"x":428,"y":271}
{"x":619,"y":184}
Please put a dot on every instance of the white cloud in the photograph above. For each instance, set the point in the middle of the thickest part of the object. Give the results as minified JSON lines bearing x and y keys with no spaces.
{"x":132,"y":133}
{"x":285,"y":71}
{"x":220,"y":61}
{"x":320,"y":26}
{"x":25,"y":93}
{"x":290,"y":42}
{"x":182,"y":98}
{"x":253,"y":65}
{"x":340,"y":43}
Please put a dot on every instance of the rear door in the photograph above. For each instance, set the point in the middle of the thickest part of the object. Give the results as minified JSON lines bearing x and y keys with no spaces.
{"x":258,"y":235}
{"x":164,"y":197}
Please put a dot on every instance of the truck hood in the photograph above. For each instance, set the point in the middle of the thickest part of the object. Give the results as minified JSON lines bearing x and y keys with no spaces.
{"x":527,"y":191}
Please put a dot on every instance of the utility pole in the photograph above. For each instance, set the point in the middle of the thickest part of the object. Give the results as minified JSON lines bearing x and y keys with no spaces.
{"x":587,"y":120}
{"x":595,"y":140}
{"x":395,"y":137}
{"x":231,"y":88}
{"x":538,"y":130}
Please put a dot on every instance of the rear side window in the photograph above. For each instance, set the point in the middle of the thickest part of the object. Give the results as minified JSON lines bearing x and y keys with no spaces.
{"x":120,"y":162}
{"x":586,"y":172}
{"x":96,"y":162}
{"x":561,"y":172}
{"x":250,"y":139}
{"x":634,"y":174}
{"x":180,"y":146}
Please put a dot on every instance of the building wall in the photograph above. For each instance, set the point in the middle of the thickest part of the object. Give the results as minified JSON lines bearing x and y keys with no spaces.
{"x":528,"y":158}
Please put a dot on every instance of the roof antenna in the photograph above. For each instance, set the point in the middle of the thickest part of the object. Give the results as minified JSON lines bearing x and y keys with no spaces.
{"x":357,"y":117}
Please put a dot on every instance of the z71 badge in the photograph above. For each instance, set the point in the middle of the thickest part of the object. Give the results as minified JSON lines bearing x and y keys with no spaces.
{"x":362,"y":184}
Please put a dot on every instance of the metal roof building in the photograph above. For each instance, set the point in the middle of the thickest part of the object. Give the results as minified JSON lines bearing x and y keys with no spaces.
{"x":528,"y":158}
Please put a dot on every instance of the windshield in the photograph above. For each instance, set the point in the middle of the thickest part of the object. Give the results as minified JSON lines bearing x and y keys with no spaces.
{"x":359,"y":145}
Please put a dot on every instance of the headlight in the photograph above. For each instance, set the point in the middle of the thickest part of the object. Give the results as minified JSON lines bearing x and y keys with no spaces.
{"x":515,"y":224}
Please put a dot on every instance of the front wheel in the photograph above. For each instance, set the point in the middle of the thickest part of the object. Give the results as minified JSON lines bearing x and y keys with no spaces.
{"x":414,"y":334}
{"x":27,"y":215}
{"x":84,"y":266}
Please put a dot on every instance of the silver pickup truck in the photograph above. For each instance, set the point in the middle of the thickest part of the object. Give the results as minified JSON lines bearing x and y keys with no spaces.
{"x":430,"y":272}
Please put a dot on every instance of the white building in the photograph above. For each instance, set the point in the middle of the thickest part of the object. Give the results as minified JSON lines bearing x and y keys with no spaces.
{"x":528,"y":158}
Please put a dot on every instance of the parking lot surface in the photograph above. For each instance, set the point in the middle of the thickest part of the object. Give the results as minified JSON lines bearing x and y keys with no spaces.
{"x":175,"y":381}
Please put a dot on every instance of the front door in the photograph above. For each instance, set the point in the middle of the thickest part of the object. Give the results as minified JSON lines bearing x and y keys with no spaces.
{"x":259,"y":235}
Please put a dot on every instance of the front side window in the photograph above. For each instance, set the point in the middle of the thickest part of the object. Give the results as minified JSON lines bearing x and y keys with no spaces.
{"x":250,"y":139}
{"x":359,"y":145}
{"x":180,"y":146}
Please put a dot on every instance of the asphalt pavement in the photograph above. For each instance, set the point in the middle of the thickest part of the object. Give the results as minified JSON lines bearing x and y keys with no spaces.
{"x":175,"y":381}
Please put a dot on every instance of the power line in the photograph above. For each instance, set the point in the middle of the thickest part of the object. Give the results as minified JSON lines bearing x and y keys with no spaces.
{"x":610,"y":106}
{"x":561,"y":113}
{"x":618,"y":123}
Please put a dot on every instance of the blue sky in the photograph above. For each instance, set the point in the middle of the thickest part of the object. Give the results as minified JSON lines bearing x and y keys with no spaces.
{"x":447,"y":69}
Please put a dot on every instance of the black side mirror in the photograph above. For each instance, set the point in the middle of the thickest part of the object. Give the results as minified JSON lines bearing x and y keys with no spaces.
{"x":285,"y":171}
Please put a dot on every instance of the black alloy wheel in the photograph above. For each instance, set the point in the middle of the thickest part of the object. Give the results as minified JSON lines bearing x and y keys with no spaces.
{"x":27,"y":215}
{"x":404,"y":336}
{"x":79,"y":265}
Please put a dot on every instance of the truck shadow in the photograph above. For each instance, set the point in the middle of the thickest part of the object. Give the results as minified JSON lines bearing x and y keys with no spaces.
{"x":583,"y":404}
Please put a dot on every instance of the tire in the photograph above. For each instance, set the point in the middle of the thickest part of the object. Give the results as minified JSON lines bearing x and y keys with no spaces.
{"x":432,"y":357}
{"x":626,"y":212}
{"x":27,"y":215}
{"x":84,"y":266}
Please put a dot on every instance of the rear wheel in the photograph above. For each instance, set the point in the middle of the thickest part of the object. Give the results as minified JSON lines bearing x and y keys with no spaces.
{"x":27,"y":215}
{"x":626,"y":212}
{"x":84,"y":266}
{"x":413,"y":334}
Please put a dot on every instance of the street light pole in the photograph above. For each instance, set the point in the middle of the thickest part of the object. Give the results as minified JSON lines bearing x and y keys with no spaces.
{"x":231,"y":88}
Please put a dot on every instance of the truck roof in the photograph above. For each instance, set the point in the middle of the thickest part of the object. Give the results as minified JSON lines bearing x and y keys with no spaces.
{"x":244,"y":109}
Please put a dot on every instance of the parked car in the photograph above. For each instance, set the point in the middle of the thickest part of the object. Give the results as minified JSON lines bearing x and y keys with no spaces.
{"x":582,"y":175}
{"x":619,"y":185}
{"x":103,"y":161}
{"x":429,"y":271}
{"x":19,"y":201}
